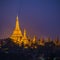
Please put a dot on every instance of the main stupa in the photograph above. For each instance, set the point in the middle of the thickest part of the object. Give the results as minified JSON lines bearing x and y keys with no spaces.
{"x":17,"y":34}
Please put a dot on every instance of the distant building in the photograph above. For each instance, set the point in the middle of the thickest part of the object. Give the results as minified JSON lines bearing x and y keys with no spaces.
{"x":57,"y":41}
{"x":41,"y":41}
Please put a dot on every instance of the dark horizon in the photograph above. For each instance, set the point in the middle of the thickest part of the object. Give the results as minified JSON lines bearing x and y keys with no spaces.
{"x":39,"y":17}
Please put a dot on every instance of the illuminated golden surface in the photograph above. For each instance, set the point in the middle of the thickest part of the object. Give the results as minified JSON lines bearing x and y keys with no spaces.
{"x":41,"y":41}
{"x":17,"y":34}
{"x":34,"y":40}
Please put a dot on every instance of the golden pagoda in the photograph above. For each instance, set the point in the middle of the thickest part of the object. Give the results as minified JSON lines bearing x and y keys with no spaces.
{"x":41,"y":41}
{"x":57,"y":41}
{"x":34,"y":40}
{"x":17,"y":34}
{"x":24,"y":38}
{"x":48,"y":39}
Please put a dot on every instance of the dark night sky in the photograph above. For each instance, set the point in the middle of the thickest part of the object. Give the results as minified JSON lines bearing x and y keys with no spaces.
{"x":39,"y":17}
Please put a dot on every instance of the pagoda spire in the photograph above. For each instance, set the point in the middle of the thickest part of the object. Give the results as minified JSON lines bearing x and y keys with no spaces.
{"x":25,"y":34}
{"x":17,"y":34}
{"x":34,"y":40}
{"x":17,"y":24}
{"x":25,"y":39}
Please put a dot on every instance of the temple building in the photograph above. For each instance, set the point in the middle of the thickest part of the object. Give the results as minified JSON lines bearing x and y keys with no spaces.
{"x":57,"y":41}
{"x":17,"y":36}
{"x":41,"y":41}
{"x":25,"y":39}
